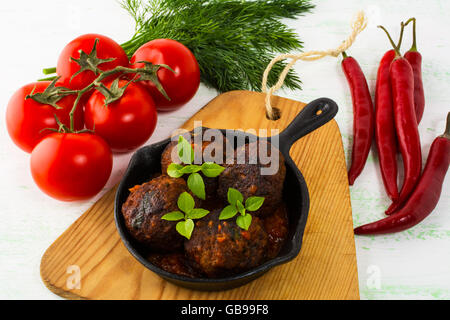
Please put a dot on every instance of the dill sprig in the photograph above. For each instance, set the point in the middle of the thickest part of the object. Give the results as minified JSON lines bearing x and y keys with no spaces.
{"x":232,"y":40}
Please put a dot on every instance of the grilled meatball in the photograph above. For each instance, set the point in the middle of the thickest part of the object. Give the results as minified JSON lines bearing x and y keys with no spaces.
{"x":246,"y":175}
{"x":220,"y":247}
{"x":208,"y":154}
{"x":144,"y":208}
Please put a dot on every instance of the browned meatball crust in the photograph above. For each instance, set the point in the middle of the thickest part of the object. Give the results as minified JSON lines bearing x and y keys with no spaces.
{"x":248,"y":179}
{"x":144,"y":208}
{"x":220,"y":247}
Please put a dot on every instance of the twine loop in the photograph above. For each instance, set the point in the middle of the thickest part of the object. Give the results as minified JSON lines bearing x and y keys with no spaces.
{"x":359,"y":24}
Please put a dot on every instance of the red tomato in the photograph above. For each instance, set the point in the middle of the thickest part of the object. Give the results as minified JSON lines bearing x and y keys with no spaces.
{"x":106,"y":48}
{"x":25,"y":119}
{"x":126,"y":123}
{"x":180,"y":86}
{"x":71,"y":166}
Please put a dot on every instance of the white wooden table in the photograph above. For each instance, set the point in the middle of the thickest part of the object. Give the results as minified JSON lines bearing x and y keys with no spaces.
{"x":410,"y":265}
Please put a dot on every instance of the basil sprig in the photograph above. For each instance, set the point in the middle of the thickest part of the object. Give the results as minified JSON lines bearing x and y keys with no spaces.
{"x":187,"y":214}
{"x":195,"y":181}
{"x":236,"y":204}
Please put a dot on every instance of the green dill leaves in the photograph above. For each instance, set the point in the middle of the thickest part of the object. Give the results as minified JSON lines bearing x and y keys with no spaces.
{"x":186,"y":214}
{"x":232,"y":40}
{"x":195,"y":181}
{"x":236,"y":205}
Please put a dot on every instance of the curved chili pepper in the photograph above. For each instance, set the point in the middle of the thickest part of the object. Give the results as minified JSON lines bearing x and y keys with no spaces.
{"x":425,"y":196}
{"x":363,"y":116}
{"x":385,"y":136}
{"x":402,"y":85}
{"x":415,"y":60}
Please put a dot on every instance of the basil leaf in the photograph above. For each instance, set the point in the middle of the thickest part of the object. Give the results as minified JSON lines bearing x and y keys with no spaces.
{"x":185,"y":202}
{"x":173,"y":216}
{"x":244,"y":221}
{"x":211,"y":169}
{"x":196,"y":185}
{"x":174,"y":170}
{"x":185,"y":151}
{"x":190,"y":169}
{"x":185,"y":228}
{"x":189,"y":225}
{"x":254,"y":203}
{"x":197,"y":213}
{"x":233,"y":196}
{"x":240,"y":207}
{"x":228,"y":212}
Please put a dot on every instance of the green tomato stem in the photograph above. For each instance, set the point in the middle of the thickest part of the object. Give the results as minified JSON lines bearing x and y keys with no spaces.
{"x":49,"y":70}
{"x":96,"y":83}
{"x":48,"y":78}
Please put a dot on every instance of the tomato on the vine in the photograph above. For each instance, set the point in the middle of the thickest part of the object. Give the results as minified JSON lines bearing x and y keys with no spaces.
{"x":180,"y":85}
{"x":107,"y":54}
{"x":126,"y":123}
{"x":27,"y":119}
{"x":71,"y":166}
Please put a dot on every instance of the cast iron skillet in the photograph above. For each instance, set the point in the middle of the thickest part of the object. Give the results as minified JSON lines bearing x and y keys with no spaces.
{"x":147,"y":161}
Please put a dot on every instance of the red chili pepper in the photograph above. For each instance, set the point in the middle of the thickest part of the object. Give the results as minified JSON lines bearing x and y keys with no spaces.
{"x":385,"y":135}
{"x":426,"y":194}
{"x":415,"y":60}
{"x":402,"y":84}
{"x":363,"y":116}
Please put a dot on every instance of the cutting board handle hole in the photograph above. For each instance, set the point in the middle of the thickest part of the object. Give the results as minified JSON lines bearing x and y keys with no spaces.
{"x":276,"y":114}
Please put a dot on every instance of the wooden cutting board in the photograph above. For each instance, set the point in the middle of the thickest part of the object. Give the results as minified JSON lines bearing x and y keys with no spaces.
{"x":91,"y":250}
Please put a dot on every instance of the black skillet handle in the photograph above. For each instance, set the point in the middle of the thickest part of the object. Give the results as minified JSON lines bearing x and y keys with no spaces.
{"x":314,"y":115}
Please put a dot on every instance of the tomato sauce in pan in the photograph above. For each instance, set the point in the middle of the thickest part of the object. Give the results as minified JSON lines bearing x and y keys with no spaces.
{"x":276,"y":226}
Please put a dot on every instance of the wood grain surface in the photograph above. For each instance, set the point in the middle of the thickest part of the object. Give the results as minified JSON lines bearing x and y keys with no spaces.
{"x":324,"y":269}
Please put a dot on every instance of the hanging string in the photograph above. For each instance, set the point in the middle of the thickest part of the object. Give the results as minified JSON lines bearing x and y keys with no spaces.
{"x":358,"y":25}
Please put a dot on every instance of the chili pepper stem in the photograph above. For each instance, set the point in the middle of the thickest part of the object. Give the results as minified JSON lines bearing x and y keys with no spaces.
{"x":344,"y":54}
{"x":394,"y":46}
{"x":447,"y":128}
{"x":414,"y":44}
{"x":402,"y":28}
